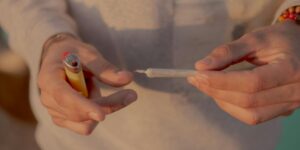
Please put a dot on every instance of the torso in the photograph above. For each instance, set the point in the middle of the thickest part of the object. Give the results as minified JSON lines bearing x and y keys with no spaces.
{"x":169,"y":114}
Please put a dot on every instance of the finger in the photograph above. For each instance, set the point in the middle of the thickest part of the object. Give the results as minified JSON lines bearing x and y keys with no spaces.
{"x":76,"y":106}
{"x":117,"y":101}
{"x":56,"y":114}
{"x":250,"y":81}
{"x":282,"y":94}
{"x":234,"y":52}
{"x":268,"y":56}
{"x":287,"y":113}
{"x":93,"y":88}
{"x":236,"y":98}
{"x":258,"y":115}
{"x":57,"y":111}
{"x":50,"y":103}
{"x":226,"y":55}
{"x":113,"y":102}
{"x":83,"y":128}
{"x":105,"y":71}
{"x":285,"y":93}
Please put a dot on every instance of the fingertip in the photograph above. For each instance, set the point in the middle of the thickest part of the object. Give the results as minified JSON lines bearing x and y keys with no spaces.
{"x":191,"y":80}
{"x":130,"y":98}
{"x":124,"y":77}
{"x":204,"y":64}
{"x":125,"y":74}
{"x":199,"y":65}
{"x":115,"y":78}
{"x":202,"y":78}
{"x":131,"y":91}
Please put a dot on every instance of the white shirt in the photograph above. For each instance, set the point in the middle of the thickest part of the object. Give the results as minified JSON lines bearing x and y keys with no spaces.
{"x":169,"y":114}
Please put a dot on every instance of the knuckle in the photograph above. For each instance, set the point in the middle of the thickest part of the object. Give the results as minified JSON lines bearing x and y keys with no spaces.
{"x":287,"y":56}
{"x":44,"y":102}
{"x":254,"y":119}
{"x":224,"y":50}
{"x":76,"y":117}
{"x":101,"y":114}
{"x":249,"y":36}
{"x":86,"y":130}
{"x":254,"y":37}
{"x":105,"y":66}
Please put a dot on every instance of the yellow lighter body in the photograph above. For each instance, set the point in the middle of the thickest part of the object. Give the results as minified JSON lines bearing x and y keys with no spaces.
{"x":74,"y":73}
{"x":77,"y":81}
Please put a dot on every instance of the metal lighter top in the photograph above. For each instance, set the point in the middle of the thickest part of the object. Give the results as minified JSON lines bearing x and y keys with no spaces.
{"x":72,"y":62}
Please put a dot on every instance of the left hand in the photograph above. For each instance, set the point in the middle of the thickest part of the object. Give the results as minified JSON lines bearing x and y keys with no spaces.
{"x":67,"y":107}
{"x":269,"y":90}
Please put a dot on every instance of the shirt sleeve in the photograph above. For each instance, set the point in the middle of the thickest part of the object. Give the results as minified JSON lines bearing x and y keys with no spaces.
{"x":29,"y":23}
{"x":284,"y":6}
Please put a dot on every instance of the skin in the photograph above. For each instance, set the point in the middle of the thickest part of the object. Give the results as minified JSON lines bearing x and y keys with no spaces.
{"x":67,"y":107}
{"x":270,"y":89}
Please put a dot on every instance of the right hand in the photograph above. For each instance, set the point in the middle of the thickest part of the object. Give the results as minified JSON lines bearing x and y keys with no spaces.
{"x":67,"y":107}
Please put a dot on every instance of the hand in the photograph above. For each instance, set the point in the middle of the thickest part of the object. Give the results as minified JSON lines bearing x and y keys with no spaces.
{"x":269,"y":90}
{"x":67,"y":107}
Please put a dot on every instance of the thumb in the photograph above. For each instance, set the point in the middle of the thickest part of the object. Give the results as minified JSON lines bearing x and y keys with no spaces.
{"x":107,"y":72}
{"x":117,"y":100}
{"x":224,"y":56}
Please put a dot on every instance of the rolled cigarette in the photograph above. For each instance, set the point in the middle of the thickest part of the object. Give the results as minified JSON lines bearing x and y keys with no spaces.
{"x":167,"y":73}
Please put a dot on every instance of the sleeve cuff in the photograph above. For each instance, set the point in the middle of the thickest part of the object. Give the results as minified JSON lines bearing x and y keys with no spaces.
{"x":287,"y":4}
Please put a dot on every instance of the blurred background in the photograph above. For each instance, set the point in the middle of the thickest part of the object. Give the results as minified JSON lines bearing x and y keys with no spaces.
{"x":17,"y":123}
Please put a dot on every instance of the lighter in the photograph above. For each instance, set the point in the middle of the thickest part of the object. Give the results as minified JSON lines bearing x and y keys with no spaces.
{"x":74,"y":73}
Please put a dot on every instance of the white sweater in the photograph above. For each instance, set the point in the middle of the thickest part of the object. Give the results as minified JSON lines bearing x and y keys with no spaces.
{"x":136,"y":34}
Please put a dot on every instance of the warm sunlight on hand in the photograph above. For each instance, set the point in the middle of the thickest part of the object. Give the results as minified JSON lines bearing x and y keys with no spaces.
{"x":67,"y":107}
{"x":269,"y":90}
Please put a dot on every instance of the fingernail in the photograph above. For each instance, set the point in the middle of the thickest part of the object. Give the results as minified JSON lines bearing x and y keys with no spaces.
{"x":202,"y":78}
{"x":122,"y":72}
{"x":130,"y":97}
{"x":95,"y":116}
{"x":192,"y":80}
{"x":206,"y":61}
